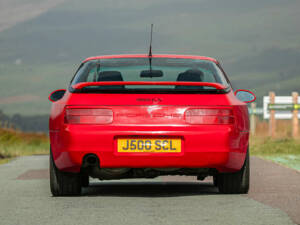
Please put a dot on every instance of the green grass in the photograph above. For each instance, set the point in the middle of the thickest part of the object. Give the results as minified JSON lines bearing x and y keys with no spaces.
{"x":14,"y":143}
{"x":3,"y":161}
{"x":284,"y":151}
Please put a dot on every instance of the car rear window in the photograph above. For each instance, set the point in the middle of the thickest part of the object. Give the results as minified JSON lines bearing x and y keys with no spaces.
{"x":137,"y":69}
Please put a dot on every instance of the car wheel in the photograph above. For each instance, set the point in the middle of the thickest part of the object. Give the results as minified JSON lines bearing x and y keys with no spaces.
{"x":85,"y":181}
{"x":63,"y":184}
{"x":235,"y":183}
{"x":215,"y":180}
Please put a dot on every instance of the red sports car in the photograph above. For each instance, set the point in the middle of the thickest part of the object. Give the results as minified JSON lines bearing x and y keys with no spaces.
{"x":141,"y":116}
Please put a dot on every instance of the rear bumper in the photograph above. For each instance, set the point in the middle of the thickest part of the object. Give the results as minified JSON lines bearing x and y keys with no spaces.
{"x":220,"y":147}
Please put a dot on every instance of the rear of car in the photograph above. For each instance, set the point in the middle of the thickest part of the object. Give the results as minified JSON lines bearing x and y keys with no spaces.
{"x":140,"y":117}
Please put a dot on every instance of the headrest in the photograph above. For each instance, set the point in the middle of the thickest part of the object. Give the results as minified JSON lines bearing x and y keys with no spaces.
{"x":111,"y":76}
{"x":192,"y":75}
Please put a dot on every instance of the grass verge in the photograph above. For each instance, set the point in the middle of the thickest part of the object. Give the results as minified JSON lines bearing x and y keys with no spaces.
{"x":284,"y":151}
{"x":14,"y":143}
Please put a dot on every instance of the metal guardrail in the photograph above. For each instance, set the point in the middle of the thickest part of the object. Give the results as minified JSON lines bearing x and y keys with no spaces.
{"x":283,"y":107}
{"x":276,"y":107}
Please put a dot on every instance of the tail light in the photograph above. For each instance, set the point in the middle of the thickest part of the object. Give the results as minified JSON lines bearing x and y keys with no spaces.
{"x":88,"y":116}
{"x":209,"y":116}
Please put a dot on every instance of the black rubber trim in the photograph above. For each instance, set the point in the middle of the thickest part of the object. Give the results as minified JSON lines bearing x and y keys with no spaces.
{"x":150,"y":91}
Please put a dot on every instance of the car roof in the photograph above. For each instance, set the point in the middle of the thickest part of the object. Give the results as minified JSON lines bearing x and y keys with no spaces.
{"x":153,"y":56}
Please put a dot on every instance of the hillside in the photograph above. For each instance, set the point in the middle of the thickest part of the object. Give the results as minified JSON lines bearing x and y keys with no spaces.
{"x":256,"y":41}
{"x":23,"y":10}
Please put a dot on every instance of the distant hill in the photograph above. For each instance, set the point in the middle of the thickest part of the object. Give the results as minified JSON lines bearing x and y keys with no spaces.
{"x":24,"y":123}
{"x":258,"y":43}
{"x":13,"y":12}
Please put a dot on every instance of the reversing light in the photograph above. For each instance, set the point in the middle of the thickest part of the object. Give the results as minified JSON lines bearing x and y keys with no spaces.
{"x":209,"y":116}
{"x":88,"y":116}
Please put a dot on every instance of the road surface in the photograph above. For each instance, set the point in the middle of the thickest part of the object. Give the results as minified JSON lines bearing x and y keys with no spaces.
{"x":25,"y":199}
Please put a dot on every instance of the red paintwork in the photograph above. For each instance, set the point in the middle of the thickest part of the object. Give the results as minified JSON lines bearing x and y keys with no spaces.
{"x":246,"y":91}
{"x":87,"y":84}
{"x":222,"y":147}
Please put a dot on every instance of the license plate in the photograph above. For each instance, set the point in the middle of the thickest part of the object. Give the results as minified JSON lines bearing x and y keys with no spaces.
{"x":149,"y":145}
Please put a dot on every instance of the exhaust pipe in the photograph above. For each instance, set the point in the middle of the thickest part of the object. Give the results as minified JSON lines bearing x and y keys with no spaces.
{"x":91,"y":166}
{"x":90,"y":160}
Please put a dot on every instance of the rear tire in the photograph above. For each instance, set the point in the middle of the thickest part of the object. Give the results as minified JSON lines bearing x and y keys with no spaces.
{"x":63,"y":184}
{"x":235,"y":183}
{"x":85,"y":181}
{"x":215,"y":180}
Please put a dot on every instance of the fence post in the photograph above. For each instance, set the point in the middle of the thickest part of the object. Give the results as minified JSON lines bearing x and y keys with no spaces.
{"x":253,"y":118}
{"x":272,"y":121}
{"x":295,"y":115}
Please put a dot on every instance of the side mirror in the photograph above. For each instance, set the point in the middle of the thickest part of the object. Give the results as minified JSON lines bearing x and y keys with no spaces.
{"x":56,"y":95}
{"x":245,"y":95}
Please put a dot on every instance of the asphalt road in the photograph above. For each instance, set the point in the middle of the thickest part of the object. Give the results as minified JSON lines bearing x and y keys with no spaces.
{"x":25,"y":199}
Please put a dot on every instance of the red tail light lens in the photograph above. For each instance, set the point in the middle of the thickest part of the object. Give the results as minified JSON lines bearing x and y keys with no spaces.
{"x":209,"y":116}
{"x":88,"y":116}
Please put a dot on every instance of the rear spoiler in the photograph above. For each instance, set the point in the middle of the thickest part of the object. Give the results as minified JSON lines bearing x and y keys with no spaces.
{"x":81,"y":85}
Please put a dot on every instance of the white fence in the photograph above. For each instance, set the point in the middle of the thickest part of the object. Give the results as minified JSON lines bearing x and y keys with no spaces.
{"x":284,"y":107}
